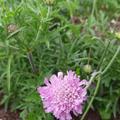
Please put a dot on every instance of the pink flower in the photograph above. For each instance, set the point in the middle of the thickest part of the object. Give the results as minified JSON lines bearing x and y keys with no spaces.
{"x":64,"y":94}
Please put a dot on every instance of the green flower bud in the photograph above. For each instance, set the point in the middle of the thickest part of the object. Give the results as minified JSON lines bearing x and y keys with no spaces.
{"x":87,"y":68}
{"x":117,"y":34}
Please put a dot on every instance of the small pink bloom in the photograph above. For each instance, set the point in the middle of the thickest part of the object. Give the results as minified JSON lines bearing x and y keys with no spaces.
{"x":64,"y":94}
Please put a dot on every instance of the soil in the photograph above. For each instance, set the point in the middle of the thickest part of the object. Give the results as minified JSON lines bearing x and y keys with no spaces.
{"x":8,"y":115}
{"x":117,"y":118}
{"x":92,"y":115}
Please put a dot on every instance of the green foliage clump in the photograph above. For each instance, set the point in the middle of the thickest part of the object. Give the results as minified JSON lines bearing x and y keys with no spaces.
{"x":39,"y":39}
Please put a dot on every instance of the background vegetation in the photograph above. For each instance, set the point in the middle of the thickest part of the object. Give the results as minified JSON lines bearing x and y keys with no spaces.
{"x":41,"y":37}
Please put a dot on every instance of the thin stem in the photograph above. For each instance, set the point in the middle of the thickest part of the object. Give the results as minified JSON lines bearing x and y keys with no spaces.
{"x":37,"y":36}
{"x":71,"y":13}
{"x":92,"y":78}
{"x":112,"y":60}
{"x":30,"y":57}
{"x":89,"y":55}
{"x":49,"y":10}
{"x":9,"y":74}
{"x":90,"y":103}
{"x":98,"y":82}
{"x":104,"y":53}
{"x":40,"y":26}
{"x":10,"y":46}
{"x":8,"y":81}
{"x":94,"y":6}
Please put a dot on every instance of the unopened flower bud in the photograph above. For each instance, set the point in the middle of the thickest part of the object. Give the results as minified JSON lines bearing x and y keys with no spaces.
{"x":11,"y":28}
{"x":87,"y":68}
{"x":117,"y":34}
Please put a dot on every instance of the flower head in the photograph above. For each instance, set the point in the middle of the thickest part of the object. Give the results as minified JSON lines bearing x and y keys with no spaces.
{"x":63,"y":94}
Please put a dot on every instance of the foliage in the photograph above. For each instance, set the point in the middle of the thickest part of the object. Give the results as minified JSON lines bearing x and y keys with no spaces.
{"x":44,"y":40}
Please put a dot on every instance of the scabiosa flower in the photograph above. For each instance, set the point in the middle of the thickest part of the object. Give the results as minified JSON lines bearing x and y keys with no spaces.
{"x":64,"y":94}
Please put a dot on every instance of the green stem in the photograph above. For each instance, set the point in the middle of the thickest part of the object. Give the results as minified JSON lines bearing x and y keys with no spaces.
{"x":8,"y":81}
{"x":92,"y":78}
{"x":104,"y":53}
{"x":90,"y":103}
{"x":98,"y":82}
{"x":31,"y":61}
{"x":112,"y":60}
{"x":49,"y":10}
{"x":71,"y":13}
{"x":40,"y":26}
{"x":9,"y":74}
{"x":94,"y":6}
{"x":89,"y":55}
{"x":37,"y":36}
